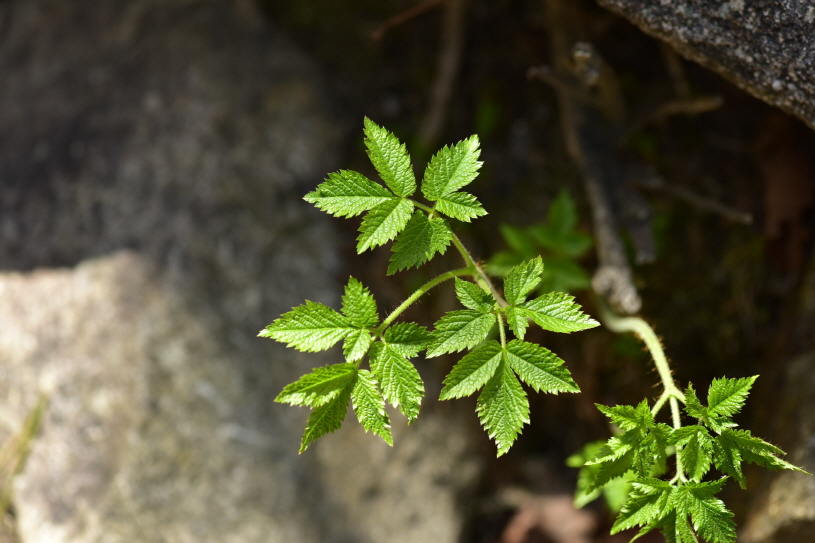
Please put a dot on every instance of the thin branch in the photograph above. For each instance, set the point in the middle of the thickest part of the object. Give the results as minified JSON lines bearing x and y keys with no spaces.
{"x":654,"y":182}
{"x":450,"y":52}
{"x":592,"y":146}
{"x":403,"y":17}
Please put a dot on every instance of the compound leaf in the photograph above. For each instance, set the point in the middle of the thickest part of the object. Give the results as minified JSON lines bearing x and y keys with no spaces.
{"x":310,"y":327}
{"x":359,"y":306}
{"x":557,"y":312}
{"x":421,"y":239}
{"x":383,"y":223}
{"x":390,"y":158}
{"x":473,"y":371}
{"x":347,"y":194}
{"x":460,"y":205}
{"x":473,"y":297}
{"x":503,"y":407}
{"x":521,"y":280}
{"x":326,"y":418}
{"x":459,"y":330}
{"x":401,"y":384}
{"x":451,"y":169}
{"x":370,"y":406}
{"x":539,"y":368}
{"x":318,"y":387}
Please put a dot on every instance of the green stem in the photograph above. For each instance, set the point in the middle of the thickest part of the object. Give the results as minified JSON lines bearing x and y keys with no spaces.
{"x":642,"y":329}
{"x":671,"y":392}
{"x":501,"y":332}
{"x":478,"y":274}
{"x":422,"y":290}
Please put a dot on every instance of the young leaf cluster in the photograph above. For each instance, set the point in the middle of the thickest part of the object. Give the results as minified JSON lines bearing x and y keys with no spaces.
{"x":558,"y":240}
{"x":686,"y":507}
{"x":419,"y":231}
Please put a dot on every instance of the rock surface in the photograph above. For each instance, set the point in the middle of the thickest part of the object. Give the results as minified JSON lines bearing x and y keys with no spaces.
{"x":764,"y":46}
{"x":785,"y":511}
{"x":152,"y":159}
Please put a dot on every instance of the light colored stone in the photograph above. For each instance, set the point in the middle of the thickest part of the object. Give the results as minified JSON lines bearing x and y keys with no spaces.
{"x":151,"y":205}
{"x":785,"y":511}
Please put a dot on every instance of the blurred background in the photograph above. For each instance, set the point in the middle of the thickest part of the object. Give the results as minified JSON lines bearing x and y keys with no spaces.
{"x":153,"y":159}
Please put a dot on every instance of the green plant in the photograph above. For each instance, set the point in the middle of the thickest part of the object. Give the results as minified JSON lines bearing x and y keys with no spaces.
{"x":420,"y":231}
{"x":686,"y":504}
{"x":629,"y":469}
{"x":558,"y":241}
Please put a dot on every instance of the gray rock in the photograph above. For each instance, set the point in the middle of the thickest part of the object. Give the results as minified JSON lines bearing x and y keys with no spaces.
{"x":785,"y":510}
{"x":766,"y":47}
{"x":153,"y":156}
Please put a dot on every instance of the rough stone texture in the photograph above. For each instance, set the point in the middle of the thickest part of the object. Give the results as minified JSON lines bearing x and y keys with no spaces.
{"x":153,"y":155}
{"x":786,"y":511}
{"x":154,"y":431}
{"x":764,"y":46}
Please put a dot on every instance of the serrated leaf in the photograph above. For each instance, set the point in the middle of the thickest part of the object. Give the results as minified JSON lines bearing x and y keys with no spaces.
{"x":407,"y":338}
{"x":612,"y":466}
{"x":369,"y":405}
{"x":310,"y":327}
{"x":473,"y":297}
{"x":539,"y":368}
{"x":473,"y":371}
{"x":562,"y":213}
{"x":675,"y":529}
{"x":421,"y":239}
{"x":628,"y":417}
{"x":460,"y":205}
{"x":520,"y":241}
{"x":693,"y":406}
{"x":726,"y":396}
{"x":517,"y":321}
{"x":451,"y":169}
{"x":727,"y":458}
{"x":648,"y":501}
{"x":356,"y":344}
{"x":557,"y":312}
{"x":459,"y":330}
{"x":733,"y":447}
{"x":401,"y":384}
{"x":390,"y":158}
{"x":697,"y":452}
{"x":383,"y":223}
{"x":326,"y":418}
{"x":347,"y":194}
{"x":318,"y":387}
{"x":503,"y":407}
{"x":359,"y":306}
{"x":521,"y":280}
{"x":710,"y":517}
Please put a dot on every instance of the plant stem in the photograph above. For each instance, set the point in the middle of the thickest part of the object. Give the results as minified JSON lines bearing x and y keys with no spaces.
{"x":642,"y":329}
{"x":478,"y":274}
{"x":501,"y":332}
{"x":671,"y":392}
{"x":422,"y":290}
